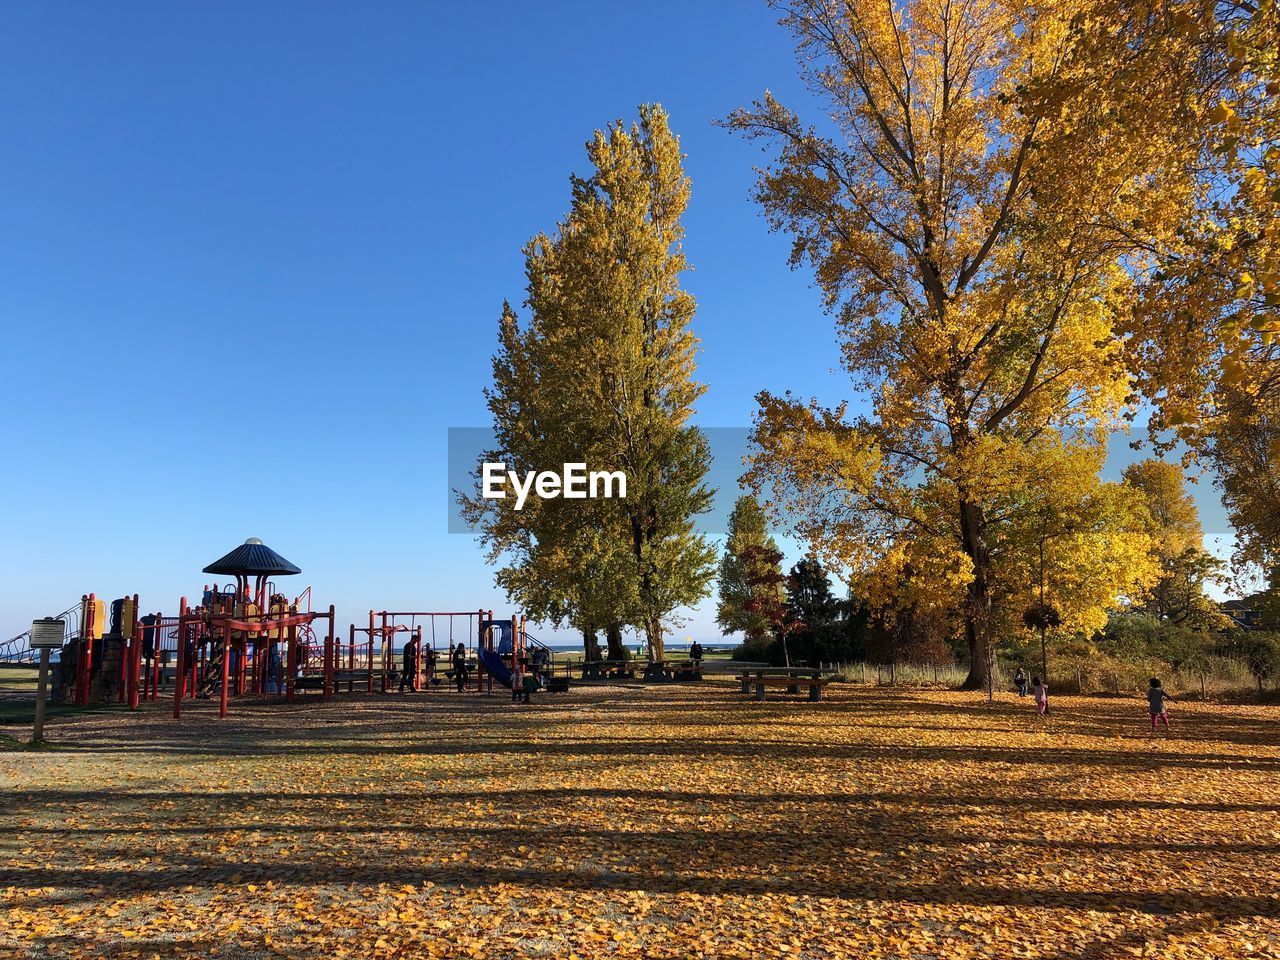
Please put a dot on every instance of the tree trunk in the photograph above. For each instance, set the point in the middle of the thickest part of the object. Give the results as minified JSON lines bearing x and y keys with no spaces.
{"x":653,"y":617}
{"x":613,"y":636}
{"x":653,"y":634}
{"x":977,"y":608}
{"x":590,"y":645}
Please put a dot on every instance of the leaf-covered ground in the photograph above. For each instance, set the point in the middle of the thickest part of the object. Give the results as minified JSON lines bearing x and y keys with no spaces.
{"x":669,"y":822}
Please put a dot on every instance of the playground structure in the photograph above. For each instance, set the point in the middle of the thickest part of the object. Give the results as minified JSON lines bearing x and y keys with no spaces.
{"x":247,"y":639}
{"x":232,"y":641}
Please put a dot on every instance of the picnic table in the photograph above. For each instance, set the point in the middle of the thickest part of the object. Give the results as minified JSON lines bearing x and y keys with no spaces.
{"x":669,"y":670}
{"x":608,"y":670}
{"x":793,"y":678}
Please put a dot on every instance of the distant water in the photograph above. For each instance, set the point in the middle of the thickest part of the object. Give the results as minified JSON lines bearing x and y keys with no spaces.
{"x":577,"y":647}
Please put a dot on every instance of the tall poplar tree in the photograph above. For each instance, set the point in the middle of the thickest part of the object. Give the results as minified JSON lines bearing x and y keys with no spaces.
{"x":602,"y":374}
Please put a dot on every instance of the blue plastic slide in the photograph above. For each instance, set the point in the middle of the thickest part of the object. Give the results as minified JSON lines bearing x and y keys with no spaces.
{"x":493,"y":663}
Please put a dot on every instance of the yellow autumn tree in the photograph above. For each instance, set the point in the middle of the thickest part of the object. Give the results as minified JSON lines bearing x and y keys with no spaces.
{"x":1206,"y":334}
{"x":968,"y":213}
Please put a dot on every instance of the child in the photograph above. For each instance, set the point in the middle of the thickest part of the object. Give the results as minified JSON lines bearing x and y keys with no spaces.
{"x":517,"y":684}
{"x":531,"y":683}
{"x":1040,"y":693}
{"x":1155,"y":704}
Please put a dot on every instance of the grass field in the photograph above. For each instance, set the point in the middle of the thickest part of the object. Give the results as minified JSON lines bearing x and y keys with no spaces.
{"x":18,"y":677}
{"x":655,"y":822}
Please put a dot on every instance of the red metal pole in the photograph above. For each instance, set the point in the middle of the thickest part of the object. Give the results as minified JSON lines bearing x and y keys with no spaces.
{"x":387,"y":654}
{"x":371,"y":651}
{"x":329,"y":654}
{"x":180,"y":680}
{"x":135,"y":655}
{"x":292,"y":662}
{"x":154,"y":670}
{"x":491,"y":641}
{"x":126,"y":657}
{"x":226,"y":669}
{"x":199,"y":661}
{"x":149,"y":672}
{"x":152,"y":692}
{"x":86,"y":648}
{"x":351,"y":661}
{"x":479,"y":644}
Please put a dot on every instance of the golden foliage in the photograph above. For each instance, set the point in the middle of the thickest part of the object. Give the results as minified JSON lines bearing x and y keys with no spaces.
{"x":969,"y":212}
{"x":668,"y":823}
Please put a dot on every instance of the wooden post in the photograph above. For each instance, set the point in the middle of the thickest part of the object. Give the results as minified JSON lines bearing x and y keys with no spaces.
{"x":42,"y":695}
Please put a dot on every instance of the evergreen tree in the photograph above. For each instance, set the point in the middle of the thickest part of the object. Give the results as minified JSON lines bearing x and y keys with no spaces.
{"x":812,"y":604}
{"x":748,"y":538}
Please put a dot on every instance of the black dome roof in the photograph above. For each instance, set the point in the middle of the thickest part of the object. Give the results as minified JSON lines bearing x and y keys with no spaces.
{"x":253,"y":558}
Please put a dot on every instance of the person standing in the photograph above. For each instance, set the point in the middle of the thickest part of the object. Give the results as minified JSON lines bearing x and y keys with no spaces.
{"x":1020,"y":681}
{"x":460,"y":666}
{"x":1040,"y":693}
{"x":1156,"y":697}
{"x":409,"y":665}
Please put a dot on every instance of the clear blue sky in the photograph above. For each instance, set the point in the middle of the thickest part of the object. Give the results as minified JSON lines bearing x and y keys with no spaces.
{"x":252,"y":259}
